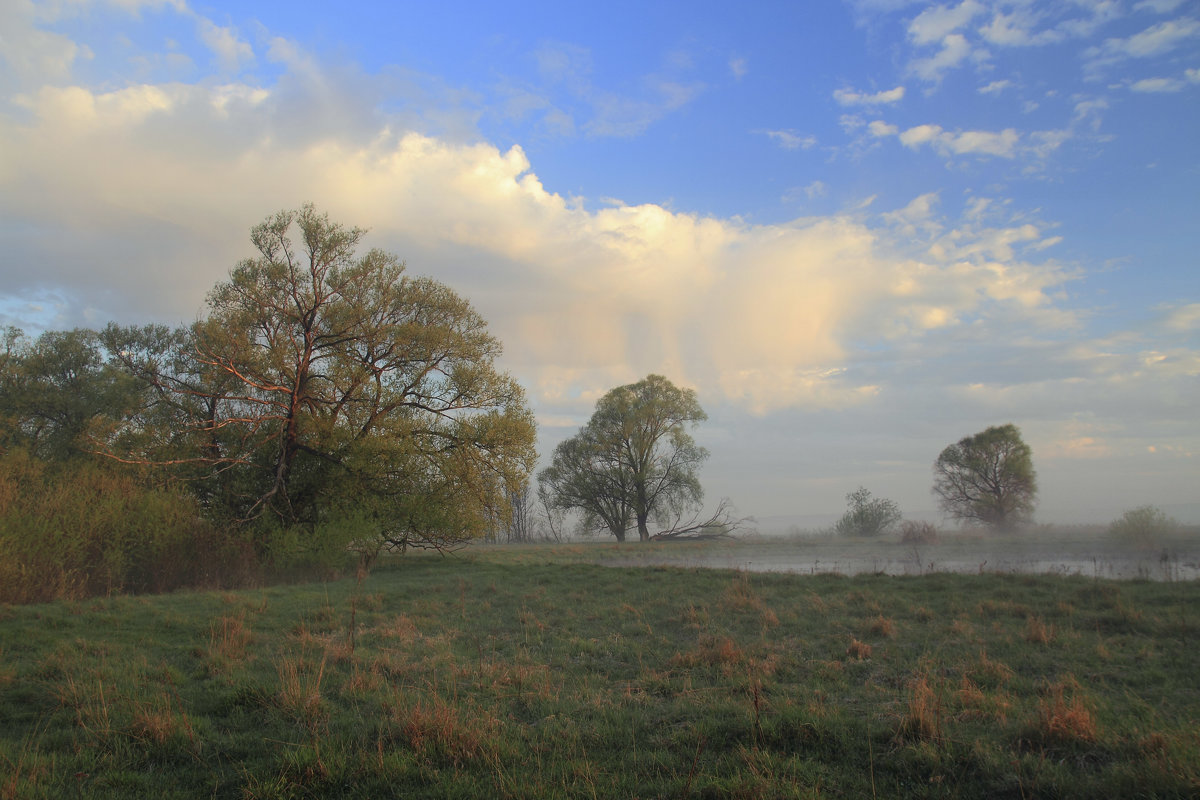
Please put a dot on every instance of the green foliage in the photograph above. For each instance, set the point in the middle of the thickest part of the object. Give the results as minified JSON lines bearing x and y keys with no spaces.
{"x":1144,"y":524}
{"x":55,"y":389}
{"x":87,"y":528}
{"x":987,"y":479}
{"x":866,"y":515}
{"x":323,"y":382}
{"x":633,"y":461}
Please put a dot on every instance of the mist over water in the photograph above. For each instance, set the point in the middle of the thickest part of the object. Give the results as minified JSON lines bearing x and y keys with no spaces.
{"x":1089,"y":554}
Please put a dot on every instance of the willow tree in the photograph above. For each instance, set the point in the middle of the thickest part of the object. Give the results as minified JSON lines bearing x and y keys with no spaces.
{"x":987,"y":479}
{"x":634,"y":461}
{"x":329,"y":388}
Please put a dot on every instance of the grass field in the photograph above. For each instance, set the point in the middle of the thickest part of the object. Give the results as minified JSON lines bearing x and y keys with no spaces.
{"x":530,"y":672}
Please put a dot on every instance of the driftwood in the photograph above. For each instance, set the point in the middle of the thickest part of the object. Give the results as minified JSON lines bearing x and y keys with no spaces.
{"x":721,"y":525}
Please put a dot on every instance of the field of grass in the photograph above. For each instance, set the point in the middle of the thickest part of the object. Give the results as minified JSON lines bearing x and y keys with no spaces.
{"x":529,"y":672}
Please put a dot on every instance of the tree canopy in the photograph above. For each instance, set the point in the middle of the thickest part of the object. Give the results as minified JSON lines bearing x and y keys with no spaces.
{"x":633,"y":461}
{"x":329,"y":388}
{"x":987,"y":479}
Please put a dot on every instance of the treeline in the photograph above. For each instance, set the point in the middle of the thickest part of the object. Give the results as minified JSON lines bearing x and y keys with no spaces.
{"x":328,"y":403}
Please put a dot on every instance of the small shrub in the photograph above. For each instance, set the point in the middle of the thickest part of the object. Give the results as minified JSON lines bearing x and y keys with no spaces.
{"x":912,"y":532}
{"x":867,"y":516}
{"x":1143,"y":524}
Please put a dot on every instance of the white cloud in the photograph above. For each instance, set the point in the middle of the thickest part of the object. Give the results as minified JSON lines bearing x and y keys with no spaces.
{"x":957,"y":143}
{"x":995,"y":87}
{"x":1158,"y":6}
{"x":936,"y":23}
{"x":790,"y":140}
{"x":1184,"y":318}
{"x":1016,"y":29}
{"x":1157,"y":85}
{"x":1154,"y":41}
{"x":879,"y":129}
{"x":850,"y":97}
{"x":955,"y":50}
{"x":762,"y":315}
{"x":738,"y":67}
{"x":231,"y":51}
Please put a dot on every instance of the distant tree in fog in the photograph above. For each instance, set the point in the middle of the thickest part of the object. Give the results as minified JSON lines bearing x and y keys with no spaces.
{"x":866,"y":515}
{"x":987,"y":479}
{"x":634,"y":460}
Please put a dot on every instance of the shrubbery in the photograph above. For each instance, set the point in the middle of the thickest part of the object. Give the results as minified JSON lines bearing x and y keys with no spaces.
{"x":1143,"y":524}
{"x":867,"y":516}
{"x":912,"y":532}
{"x":76,"y":529}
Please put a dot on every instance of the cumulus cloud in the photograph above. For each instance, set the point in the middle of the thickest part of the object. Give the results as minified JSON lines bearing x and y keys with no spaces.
{"x":762,"y":315}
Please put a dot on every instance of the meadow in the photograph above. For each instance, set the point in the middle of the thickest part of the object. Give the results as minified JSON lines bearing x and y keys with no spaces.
{"x":537,"y":672}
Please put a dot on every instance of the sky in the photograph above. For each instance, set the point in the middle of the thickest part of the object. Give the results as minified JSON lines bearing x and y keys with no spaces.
{"x":859,"y":230}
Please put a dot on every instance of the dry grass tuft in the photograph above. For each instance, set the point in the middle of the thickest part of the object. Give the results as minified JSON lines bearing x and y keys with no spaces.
{"x":229,"y":637}
{"x":988,"y":671}
{"x":922,"y":719}
{"x":882,"y":626}
{"x":159,"y":722}
{"x":858,"y":650}
{"x":740,"y":594}
{"x":1037,"y":632}
{"x":1063,"y":716}
{"x":299,"y":694}
{"x":432,"y":726}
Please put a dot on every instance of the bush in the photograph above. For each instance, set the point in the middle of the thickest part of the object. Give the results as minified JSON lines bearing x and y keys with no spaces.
{"x":76,"y":529}
{"x":912,"y":532}
{"x":867,"y":516}
{"x":1143,"y":524}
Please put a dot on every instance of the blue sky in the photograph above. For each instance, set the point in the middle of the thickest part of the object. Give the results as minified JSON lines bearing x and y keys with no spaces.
{"x":861,"y":230}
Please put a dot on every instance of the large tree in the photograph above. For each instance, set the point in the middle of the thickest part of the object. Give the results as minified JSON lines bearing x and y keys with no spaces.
{"x":330,"y":388}
{"x":52,"y":390}
{"x":634,"y":460}
{"x":987,"y":479}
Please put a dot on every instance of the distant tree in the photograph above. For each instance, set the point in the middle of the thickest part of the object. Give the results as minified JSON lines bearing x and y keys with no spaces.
{"x":329,"y":390}
{"x":987,"y":479}
{"x":633,"y":461}
{"x":53,"y":389}
{"x":867,"y":516}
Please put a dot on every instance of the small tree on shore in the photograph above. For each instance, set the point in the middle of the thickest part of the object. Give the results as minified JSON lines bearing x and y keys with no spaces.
{"x":866,"y":515}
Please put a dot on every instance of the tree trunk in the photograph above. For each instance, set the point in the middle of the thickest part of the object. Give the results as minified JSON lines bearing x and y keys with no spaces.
{"x":643,"y":530}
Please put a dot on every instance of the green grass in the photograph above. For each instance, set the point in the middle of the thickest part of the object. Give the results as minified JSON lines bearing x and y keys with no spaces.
{"x":532,"y":673}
